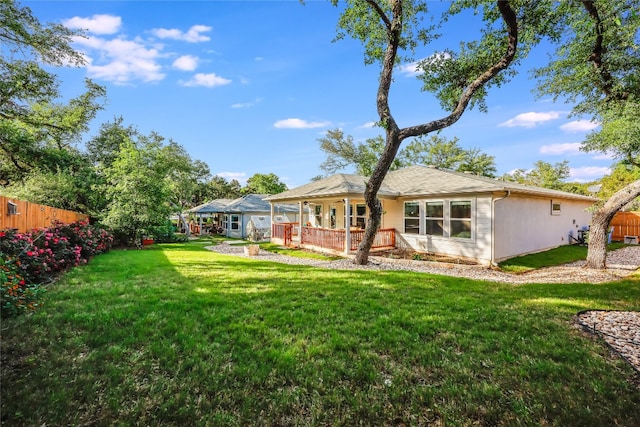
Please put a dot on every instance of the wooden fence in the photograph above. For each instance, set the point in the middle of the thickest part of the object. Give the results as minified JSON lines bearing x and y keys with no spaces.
{"x":625,"y":224}
{"x":25,"y":216}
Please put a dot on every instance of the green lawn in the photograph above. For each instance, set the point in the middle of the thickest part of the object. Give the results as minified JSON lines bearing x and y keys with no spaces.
{"x":557,"y":256}
{"x":177,"y":335}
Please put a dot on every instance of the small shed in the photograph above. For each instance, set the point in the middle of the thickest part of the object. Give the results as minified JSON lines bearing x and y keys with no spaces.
{"x":238,"y":213}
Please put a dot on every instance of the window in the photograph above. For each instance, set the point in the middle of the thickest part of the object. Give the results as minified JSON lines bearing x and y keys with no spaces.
{"x":361,"y":215}
{"x":460,"y":217}
{"x":556,"y":208}
{"x":434,"y":221}
{"x":235,"y":222}
{"x":225,"y":222}
{"x":412,"y":217}
{"x":317,"y":212}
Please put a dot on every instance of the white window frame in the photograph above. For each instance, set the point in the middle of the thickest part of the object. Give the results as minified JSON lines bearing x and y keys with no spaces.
{"x":470,"y":219}
{"x":554,"y":210}
{"x":405,"y":217}
{"x":443,"y":218}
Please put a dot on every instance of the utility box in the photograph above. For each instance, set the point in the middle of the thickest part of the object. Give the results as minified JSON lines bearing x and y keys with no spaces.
{"x":631,"y":240}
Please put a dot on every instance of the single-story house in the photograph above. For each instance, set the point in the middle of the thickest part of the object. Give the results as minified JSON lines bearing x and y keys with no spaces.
{"x":437,"y":211}
{"x":233,"y":216}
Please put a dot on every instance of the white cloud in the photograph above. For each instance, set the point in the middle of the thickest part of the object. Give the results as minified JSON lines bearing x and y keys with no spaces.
{"x":412,"y":68}
{"x":121,"y":61}
{"x":588,"y":173}
{"x":97,"y":24}
{"x":299,"y":124}
{"x":247,"y":104}
{"x":368,"y":125}
{"x":206,"y":80}
{"x":557,"y":149}
{"x":604,"y":156}
{"x":531,"y":119}
{"x":241,"y":177}
{"x":186,"y":63}
{"x":193,"y":35}
{"x":579,"y":126}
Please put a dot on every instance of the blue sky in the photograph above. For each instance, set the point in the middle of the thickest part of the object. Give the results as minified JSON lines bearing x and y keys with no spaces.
{"x":249,"y":86}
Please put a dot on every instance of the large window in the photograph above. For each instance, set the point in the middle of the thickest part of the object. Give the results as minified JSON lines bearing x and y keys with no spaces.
{"x":460,"y":219}
{"x":225,"y":222}
{"x":412,"y":217}
{"x":434,"y":218}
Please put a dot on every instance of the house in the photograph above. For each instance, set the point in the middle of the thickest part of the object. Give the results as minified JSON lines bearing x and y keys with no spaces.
{"x":233,"y":216}
{"x":438,"y":211}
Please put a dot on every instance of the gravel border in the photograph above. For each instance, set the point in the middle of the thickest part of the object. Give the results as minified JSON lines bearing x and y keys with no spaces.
{"x":622,"y":263}
{"x":620,"y":330}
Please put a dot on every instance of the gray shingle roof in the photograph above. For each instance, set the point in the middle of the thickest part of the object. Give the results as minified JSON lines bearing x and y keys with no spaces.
{"x":342,"y":185}
{"x":417,"y":181}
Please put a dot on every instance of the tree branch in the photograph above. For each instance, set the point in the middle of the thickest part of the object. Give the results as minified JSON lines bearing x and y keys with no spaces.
{"x":510,"y":19}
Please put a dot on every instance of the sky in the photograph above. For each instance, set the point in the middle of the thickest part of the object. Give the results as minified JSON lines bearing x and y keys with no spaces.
{"x":250,"y":86}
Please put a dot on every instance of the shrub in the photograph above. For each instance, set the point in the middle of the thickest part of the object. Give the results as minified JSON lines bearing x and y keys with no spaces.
{"x":32,"y":259}
{"x":167,"y":234}
{"x":16,"y":295}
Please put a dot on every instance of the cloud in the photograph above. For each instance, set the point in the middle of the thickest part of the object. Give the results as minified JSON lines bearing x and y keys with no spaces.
{"x":97,"y":24}
{"x":121,"y":61}
{"x":247,"y":104}
{"x":604,"y":156}
{"x":557,"y":149}
{"x":588,"y":173}
{"x":367,"y":125}
{"x":191,"y":36}
{"x":531,"y":119}
{"x":186,"y":63}
{"x":206,"y":80}
{"x":299,"y":124}
{"x":579,"y":126}
{"x":241,"y":177}
{"x":413,"y":68}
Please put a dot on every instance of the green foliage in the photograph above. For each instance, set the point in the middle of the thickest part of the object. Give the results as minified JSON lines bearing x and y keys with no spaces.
{"x":543,"y":175}
{"x":435,"y":150}
{"x":166,"y":234}
{"x":264,"y":184}
{"x":16,"y":295}
{"x":136,"y":190}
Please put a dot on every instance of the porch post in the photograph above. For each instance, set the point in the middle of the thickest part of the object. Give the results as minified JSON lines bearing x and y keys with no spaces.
{"x":271,"y":221}
{"x":347,"y":226}
{"x":300,"y":219}
{"x":200,"y":223}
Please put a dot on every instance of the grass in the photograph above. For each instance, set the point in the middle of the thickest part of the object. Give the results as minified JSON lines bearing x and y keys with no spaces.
{"x":177,"y":335}
{"x":557,"y":256}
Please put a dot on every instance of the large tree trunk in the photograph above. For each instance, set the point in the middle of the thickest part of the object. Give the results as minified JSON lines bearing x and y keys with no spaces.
{"x":597,"y":254}
{"x":395,"y":135}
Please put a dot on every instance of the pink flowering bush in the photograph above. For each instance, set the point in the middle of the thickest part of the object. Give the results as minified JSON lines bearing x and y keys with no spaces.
{"x":38,"y":256}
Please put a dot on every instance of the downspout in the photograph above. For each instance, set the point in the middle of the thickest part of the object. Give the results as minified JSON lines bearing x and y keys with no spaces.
{"x":493,"y":226}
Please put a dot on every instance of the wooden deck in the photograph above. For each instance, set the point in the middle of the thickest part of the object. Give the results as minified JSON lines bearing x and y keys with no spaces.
{"x":325,"y":238}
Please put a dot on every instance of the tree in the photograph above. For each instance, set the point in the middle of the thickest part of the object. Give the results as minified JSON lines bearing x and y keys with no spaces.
{"x":33,"y":128}
{"x":183,"y":176}
{"x":137,"y":192}
{"x":621,"y":176}
{"x":264,"y":184}
{"x":543,"y":175}
{"x":459,"y":80}
{"x":597,"y":67}
{"x":435,"y":150}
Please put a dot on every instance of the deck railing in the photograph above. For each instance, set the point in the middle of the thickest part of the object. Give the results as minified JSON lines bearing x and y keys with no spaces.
{"x":323,"y":238}
{"x":330,"y":239}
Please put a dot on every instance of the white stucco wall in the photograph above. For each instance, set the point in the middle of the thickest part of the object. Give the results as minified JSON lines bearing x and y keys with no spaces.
{"x":526,"y":225}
